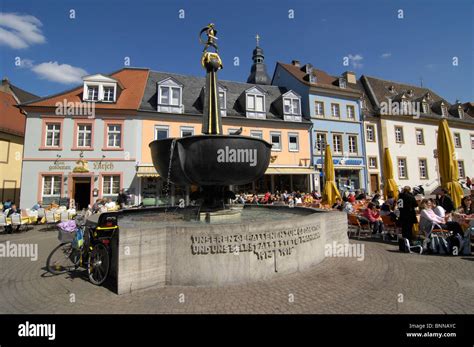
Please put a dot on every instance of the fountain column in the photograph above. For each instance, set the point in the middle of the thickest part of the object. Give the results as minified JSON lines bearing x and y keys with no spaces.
{"x":211,"y":62}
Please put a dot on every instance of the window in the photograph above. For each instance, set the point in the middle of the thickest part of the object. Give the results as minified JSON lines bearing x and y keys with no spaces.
{"x":114,"y":135}
{"x":472,"y":141}
{"x":222,"y":102}
{"x":420,"y":137}
{"x":461,"y":171}
{"x":425,"y":108}
{"x":170,"y":95}
{"x":276,"y":141}
{"x":350,"y":112}
{"x":457,"y":140}
{"x":335,"y":110}
{"x":312,"y":78}
{"x":423,"y":167}
{"x":111,"y":185}
{"x":352,"y":144}
{"x":52,"y":186}
{"x":84,"y":135}
{"x":337,"y":143}
{"x":402,"y":168}
{"x":293,"y":145}
{"x":93,"y":93}
{"x":320,"y":141}
{"x":256,"y":133}
{"x":342,"y":82}
{"x":53,"y":134}
{"x":255,"y":103}
{"x":161,"y":132}
{"x":319,"y":108}
{"x":187,"y":131}
{"x":399,"y":135}
{"x":372,"y":162}
{"x":109,"y":94}
{"x":444,"y":111}
{"x":291,"y":106}
{"x":370,"y":131}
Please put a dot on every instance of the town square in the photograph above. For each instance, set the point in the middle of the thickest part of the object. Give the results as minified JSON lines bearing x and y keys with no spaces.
{"x":200,"y":160}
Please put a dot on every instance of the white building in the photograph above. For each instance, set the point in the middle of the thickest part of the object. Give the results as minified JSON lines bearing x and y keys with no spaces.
{"x":405,"y":119}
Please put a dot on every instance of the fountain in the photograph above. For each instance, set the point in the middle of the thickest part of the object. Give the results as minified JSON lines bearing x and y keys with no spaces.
{"x":212,"y":244}
{"x":212,"y":161}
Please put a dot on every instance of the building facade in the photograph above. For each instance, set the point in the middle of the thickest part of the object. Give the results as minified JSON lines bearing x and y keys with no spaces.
{"x":84,"y":144}
{"x":12,"y":136}
{"x":405,"y":118}
{"x":333,"y":105}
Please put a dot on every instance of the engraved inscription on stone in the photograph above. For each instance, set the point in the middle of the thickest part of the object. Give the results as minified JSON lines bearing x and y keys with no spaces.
{"x":265,"y":244}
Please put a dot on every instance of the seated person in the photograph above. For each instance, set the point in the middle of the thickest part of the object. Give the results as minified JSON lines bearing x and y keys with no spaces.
{"x":351,"y":198}
{"x":12,"y":210}
{"x":110,"y":204}
{"x":36,"y":206}
{"x":338,"y":204}
{"x":372,"y":214}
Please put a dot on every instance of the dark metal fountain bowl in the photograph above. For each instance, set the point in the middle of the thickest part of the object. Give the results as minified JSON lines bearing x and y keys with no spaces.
{"x":209,"y":160}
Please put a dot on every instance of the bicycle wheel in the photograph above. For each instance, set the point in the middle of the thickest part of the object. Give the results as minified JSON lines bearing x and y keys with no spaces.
{"x":62,"y":259}
{"x":98,"y":264}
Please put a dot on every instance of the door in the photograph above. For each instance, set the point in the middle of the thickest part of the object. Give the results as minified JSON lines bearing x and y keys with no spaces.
{"x":374,"y":183}
{"x":82,"y":192}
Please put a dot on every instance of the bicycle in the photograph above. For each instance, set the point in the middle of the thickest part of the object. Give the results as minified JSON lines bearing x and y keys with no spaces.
{"x":93,"y":253}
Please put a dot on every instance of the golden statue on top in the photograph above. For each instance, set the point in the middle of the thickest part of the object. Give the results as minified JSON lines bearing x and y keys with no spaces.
{"x":210,"y":59}
{"x":211,"y":33}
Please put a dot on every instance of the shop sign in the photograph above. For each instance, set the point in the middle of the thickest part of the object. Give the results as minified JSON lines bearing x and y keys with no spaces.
{"x":104,"y":166}
{"x":59,"y":166}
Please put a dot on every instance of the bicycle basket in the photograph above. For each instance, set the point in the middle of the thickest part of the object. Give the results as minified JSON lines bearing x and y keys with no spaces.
{"x":66,"y":236}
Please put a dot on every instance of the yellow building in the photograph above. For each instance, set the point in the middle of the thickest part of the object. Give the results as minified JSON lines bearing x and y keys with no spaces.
{"x":12,"y":134}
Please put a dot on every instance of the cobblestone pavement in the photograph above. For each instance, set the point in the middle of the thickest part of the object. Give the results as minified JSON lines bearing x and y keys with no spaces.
{"x":386,"y":281}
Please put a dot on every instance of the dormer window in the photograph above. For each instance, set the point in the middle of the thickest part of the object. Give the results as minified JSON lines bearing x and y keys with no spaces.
{"x":100,"y":88}
{"x":410,"y":92}
{"x":426,"y":109}
{"x":342,"y":82}
{"x":291,"y":107}
{"x":460,"y":112}
{"x":444,"y":110}
{"x":391,"y":89}
{"x":170,"y":96}
{"x":93,"y":93}
{"x":312,"y":78}
{"x":109,"y":94}
{"x":255,"y":103}
{"x":223,"y":101}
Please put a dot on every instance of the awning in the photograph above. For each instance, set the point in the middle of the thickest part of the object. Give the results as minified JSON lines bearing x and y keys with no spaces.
{"x":147,"y":171}
{"x":290,"y":171}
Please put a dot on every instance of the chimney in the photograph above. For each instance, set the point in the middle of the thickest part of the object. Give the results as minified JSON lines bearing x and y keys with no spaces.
{"x":5,"y":81}
{"x":350,"y":77}
{"x":295,"y":63}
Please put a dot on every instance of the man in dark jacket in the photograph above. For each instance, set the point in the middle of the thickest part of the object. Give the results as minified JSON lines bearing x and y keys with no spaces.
{"x":407,"y":204}
{"x":445,"y":201}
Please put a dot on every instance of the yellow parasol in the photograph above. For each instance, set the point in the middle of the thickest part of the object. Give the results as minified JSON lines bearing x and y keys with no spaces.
{"x":330,"y":192}
{"x":389,"y":184}
{"x":448,"y":167}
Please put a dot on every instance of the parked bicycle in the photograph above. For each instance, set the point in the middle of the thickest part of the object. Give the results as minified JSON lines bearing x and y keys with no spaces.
{"x":88,"y":246}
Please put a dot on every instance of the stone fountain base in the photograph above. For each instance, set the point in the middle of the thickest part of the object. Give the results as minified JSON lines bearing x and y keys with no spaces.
{"x":150,"y":255}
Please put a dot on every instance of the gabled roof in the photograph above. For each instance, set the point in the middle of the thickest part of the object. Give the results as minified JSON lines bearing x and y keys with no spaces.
{"x":133,"y":81}
{"x":192,"y":95}
{"x":323,"y":79}
{"x":378,"y":90}
{"x":12,"y":120}
{"x":20,"y":94}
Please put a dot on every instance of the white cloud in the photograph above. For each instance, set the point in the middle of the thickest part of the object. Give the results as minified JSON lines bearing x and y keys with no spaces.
{"x":356,"y":61}
{"x":61,"y":73}
{"x":386,"y":55}
{"x":20,"y":31}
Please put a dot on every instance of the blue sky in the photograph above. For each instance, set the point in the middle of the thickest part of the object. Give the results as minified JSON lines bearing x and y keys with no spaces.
{"x":55,"y":50}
